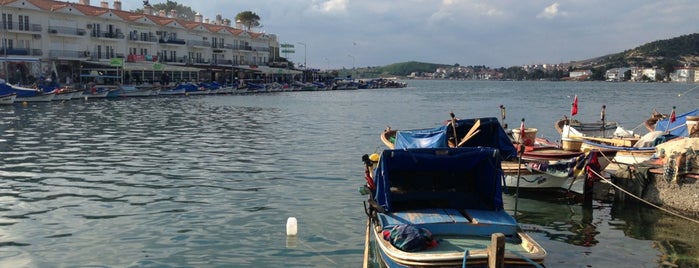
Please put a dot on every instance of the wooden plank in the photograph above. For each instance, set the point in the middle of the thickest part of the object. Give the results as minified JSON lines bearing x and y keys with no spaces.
{"x":496,"y":251}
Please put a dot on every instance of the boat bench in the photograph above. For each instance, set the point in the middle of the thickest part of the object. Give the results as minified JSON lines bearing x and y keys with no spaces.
{"x":446,"y":221}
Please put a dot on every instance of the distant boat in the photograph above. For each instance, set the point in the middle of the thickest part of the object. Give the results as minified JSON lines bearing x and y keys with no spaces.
{"x":26,"y":94}
{"x":7,"y":98}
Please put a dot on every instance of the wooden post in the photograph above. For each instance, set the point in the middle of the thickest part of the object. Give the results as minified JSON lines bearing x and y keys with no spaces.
{"x":496,"y":251}
{"x":588,"y":190}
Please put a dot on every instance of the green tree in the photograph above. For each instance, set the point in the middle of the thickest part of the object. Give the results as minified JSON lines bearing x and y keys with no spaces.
{"x":248,"y":19}
{"x":183,"y":12}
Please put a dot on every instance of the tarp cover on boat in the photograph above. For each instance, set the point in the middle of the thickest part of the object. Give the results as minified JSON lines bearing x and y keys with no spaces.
{"x":490,"y":134}
{"x":458,"y":178}
{"x":422,"y":138}
{"x":677,"y":128}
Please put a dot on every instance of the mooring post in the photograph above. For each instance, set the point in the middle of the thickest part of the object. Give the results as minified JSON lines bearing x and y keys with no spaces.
{"x":587,"y":190}
{"x":496,"y":251}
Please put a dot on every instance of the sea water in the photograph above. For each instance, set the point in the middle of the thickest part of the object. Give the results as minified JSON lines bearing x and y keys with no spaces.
{"x":210,"y":181}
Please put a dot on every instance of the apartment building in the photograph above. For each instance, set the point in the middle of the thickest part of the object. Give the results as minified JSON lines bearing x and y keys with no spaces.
{"x":59,"y":39}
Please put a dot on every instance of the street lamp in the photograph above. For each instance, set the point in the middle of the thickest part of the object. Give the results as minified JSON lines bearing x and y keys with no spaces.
{"x":305,"y":67}
{"x":350,"y":55}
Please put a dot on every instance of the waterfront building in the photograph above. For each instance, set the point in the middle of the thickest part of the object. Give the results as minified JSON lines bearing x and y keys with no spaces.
{"x":62,"y":40}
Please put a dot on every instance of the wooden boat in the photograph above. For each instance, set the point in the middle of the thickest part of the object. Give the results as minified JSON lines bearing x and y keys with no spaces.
{"x":453,"y":198}
{"x":599,"y":129}
{"x":625,"y":154}
{"x":557,"y":175}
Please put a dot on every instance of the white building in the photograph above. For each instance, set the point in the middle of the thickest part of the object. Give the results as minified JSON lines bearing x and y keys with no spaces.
{"x":46,"y":37}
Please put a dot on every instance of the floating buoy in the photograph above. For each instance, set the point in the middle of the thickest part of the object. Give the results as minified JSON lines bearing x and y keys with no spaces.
{"x":291,"y":226}
{"x":24,"y":103}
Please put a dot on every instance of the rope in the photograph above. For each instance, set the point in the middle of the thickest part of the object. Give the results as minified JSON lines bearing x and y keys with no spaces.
{"x":643,"y":200}
{"x":463,"y":264}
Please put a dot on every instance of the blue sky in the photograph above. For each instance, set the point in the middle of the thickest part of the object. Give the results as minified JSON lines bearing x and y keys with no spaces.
{"x":495,"y":33}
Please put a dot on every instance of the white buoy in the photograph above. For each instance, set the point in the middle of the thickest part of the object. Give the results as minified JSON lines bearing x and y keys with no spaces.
{"x":291,"y":226}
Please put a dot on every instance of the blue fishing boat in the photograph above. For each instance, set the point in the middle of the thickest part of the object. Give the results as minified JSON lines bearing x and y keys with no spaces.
{"x":23,"y":94}
{"x":437,"y":207}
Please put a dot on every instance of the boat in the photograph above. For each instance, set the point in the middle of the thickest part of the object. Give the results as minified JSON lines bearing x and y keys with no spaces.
{"x":98,"y":91}
{"x":599,"y":129}
{"x":66,"y":93}
{"x":438,"y":207}
{"x":172,"y":91}
{"x":7,"y":98}
{"x":24,"y":94}
{"x":136,"y":91}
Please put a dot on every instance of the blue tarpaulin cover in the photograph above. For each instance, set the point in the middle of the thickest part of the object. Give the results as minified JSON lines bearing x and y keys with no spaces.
{"x":491,"y":135}
{"x":677,"y":128}
{"x":458,"y":178}
{"x":422,"y":138}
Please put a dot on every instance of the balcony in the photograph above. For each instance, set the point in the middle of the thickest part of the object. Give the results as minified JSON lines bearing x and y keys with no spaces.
{"x":198,"y":43}
{"x":68,"y":54}
{"x":173,"y":41}
{"x":238,"y":47}
{"x":113,"y":35}
{"x":222,"y":62}
{"x":148,"y":39}
{"x":20,"y":52}
{"x":62,"y":30}
{"x":262,"y":49}
{"x":22,"y":28}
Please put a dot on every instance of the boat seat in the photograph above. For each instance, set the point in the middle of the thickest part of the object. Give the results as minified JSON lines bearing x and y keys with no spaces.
{"x":452,"y":221}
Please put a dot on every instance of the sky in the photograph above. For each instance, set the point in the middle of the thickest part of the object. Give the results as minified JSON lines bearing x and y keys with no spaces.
{"x":494,"y":33}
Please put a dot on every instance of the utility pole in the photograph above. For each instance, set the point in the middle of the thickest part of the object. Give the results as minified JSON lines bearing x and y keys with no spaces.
{"x":305,"y":67}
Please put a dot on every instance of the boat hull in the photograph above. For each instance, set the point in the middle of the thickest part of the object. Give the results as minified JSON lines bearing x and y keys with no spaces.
{"x":453,"y":248}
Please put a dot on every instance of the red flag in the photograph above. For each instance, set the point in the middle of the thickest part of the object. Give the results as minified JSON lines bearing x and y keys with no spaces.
{"x":574,"y":109}
{"x":673,"y":116}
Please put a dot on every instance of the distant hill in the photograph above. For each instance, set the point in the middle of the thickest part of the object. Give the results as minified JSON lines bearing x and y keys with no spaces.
{"x":678,"y":51}
{"x":673,"y":52}
{"x":395,"y":69}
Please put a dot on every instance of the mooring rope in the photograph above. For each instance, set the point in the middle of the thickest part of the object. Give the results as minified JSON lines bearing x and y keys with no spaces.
{"x":643,"y":200}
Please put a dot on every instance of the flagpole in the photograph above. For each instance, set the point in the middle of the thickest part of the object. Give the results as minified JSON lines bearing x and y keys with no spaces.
{"x":672,"y":119}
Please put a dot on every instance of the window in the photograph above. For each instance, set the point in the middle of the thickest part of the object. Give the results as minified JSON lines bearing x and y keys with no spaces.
{"x":21,"y":22}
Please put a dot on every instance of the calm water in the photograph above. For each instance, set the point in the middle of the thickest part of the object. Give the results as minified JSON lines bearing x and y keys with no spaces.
{"x":210,"y":181}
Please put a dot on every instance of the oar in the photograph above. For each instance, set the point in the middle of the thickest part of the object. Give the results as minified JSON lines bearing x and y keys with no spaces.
{"x":453,"y":127}
{"x":467,"y":137}
{"x":471,"y":132}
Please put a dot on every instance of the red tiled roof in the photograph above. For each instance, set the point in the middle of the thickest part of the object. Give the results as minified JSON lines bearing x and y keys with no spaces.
{"x":52,"y":5}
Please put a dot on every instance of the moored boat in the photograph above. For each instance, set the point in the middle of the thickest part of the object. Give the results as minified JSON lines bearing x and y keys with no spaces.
{"x":448,"y":203}
{"x":7,"y":98}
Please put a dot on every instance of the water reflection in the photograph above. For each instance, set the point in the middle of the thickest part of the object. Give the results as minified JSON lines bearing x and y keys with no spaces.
{"x":561,"y":220}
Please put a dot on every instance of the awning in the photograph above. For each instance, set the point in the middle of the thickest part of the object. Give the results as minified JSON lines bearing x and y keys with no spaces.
{"x":19,"y":59}
{"x":147,"y":66}
{"x":154,"y":66}
{"x":267,"y":70}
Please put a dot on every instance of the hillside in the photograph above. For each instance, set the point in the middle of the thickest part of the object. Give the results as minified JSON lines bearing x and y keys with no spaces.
{"x":669,"y":53}
{"x":396,"y":69}
{"x":678,"y":51}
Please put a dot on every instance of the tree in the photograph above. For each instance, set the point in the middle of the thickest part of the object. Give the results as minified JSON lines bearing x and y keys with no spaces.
{"x":183,"y":12}
{"x":248,"y":19}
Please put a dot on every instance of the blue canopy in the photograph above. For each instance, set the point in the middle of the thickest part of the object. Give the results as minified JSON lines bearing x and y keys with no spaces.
{"x":677,"y":128}
{"x":458,"y":178}
{"x":422,"y":138}
{"x":490,"y":134}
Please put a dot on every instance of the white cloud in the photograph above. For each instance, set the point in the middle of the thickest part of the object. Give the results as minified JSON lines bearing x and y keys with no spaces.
{"x":551,"y":12}
{"x":330,"y":6}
